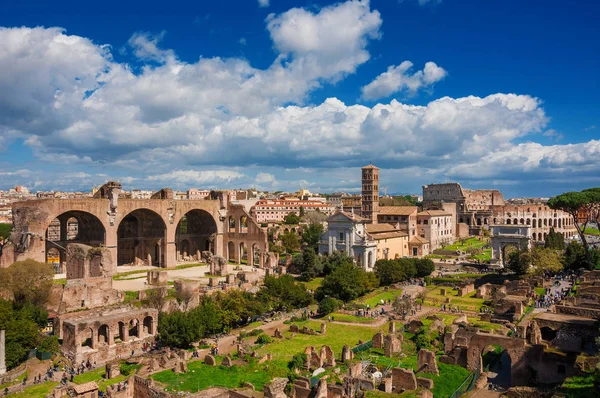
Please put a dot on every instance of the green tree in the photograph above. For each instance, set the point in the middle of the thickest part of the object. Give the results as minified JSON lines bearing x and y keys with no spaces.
{"x":22,"y":330}
{"x":312,"y":235}
{"x":290,"y":242}
{"x":301,"y":211}
{"x":329,"y":305}
{"x":335,"y":260}
{"x":554,"y":240}
{"x":5,"y":230}
{"x":311,"y":265}
{"x":519,"y":261}
{"x":177,"y":329}
{"x":291,"y":218}
{"x":424,"y":267}
{"x":49,"y":344}
{"x":389,"y":272}
{"x":27,"y":281}
{"x":588,"y":201}
{"x":286,"y":292}
{"x":575,"y":256}
{"x":347,"y":282}
{"x":545,"y":260}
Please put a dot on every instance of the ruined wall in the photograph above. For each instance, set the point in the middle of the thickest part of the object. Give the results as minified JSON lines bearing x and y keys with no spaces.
{"x":482,"y":199}
{"x":584,"y":312}
{"x":451,"y":192}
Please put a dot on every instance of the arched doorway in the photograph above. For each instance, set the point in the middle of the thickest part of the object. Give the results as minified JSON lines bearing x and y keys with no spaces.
{"x":255,"y":255}
{"x":103,"y":334}
{"x":231,"y":251}
{"x":72,"y":227}
{"x":138,"y":235}
{"x":148,"y":325}
{"x":497,"y":359}
{"x":195,"y":233}
{"x":243,"y":253}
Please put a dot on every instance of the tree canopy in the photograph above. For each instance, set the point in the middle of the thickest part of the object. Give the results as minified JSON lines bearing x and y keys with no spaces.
{"x":587,"y":200}
{"x":347,"y":282}
{"x":5,"y":230}
{"x":27,"y":281}
{"x":535,"y":261}
{"x":290,"y":242}
{"x":398,"y":270}
{"x":312,"y":235}
{"x":291,"y":218}
{"x":554,"y":240}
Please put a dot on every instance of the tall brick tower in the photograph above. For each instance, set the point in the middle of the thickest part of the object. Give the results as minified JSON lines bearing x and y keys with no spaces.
{"x":370,"y":193}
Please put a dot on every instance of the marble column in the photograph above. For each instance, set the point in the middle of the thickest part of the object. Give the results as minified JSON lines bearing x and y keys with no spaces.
{"x":2,"y":353}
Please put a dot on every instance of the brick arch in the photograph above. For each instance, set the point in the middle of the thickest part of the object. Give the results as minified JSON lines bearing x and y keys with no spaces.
{"x":515,"y":347}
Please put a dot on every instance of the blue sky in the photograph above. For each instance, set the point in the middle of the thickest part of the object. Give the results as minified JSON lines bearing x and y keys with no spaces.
{"x":281,"y":95}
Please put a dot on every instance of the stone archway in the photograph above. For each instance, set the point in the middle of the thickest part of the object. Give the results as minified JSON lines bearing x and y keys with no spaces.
{"x":74,"y":226}
{"x":194,"y":234}
{"x":514,"y":347}
{"x":138,"y":235}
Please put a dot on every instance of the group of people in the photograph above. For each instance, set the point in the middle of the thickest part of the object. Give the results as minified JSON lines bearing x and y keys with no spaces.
{"x":454,"y":309}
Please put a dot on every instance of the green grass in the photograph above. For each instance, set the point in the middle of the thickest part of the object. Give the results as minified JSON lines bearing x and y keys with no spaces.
{"x":314,"y":284}
{"x":123,"y":275}
{"x":336,"y":337}
{"x":592,"y":231}
{"x":337,"y":316}
{"x":450,"y":378}
{"x":186,"y":266}
{"x":130,"y":296}
{"x":467,"y":303}
{"x":374,"y":298}
{"x":97,"y":375}
{"x":201,"y":376}
{"x":579,"y":387}
{"x":38,"y":390}
{"x":471,"y":243}
{"x":62,"y":281}
{"x":540,"y":291}
{"x":485,"y":255}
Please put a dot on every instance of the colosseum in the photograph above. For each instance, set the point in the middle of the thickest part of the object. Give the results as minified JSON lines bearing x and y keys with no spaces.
{"x":480,"y":209}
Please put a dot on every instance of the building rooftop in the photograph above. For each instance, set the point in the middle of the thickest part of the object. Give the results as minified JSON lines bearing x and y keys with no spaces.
{"x":370,"y":166}
{"x":378,"y":228}
{"x":397,"y":210}
{"x":434,"y":213}
{"x":418,"y":240}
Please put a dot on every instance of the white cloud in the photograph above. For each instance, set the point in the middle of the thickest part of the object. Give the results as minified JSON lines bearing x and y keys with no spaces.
{"x":175,"y":122}
{"x":243,"y":41}
{"x":195,"y":178}
{"x":398,"y":78}
{"x":263,"y":3}
{"x":145,"y":47}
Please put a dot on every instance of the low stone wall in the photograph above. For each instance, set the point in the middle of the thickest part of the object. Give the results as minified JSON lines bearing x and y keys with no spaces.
{"x":578,"y":311}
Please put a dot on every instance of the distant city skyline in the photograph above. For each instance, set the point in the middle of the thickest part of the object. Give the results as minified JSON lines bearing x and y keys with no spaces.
{"x":283,"y":95}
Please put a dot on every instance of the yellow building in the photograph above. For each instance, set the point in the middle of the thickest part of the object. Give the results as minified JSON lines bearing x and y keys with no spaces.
{"x":391,"y":242}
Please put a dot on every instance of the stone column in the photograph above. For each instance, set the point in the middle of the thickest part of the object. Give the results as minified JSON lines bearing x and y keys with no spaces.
{"x":2,"y":353}
{"x":347,"y":243}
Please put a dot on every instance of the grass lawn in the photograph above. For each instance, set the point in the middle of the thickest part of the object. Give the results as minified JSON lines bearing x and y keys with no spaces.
{"x":201,"y":376}
{"x":348,"y":318}
{"x":61,"y":281}
{"x":374,"y":298}
{"x":97,"y":375}
{"x":467,"y":303}
{"x":124,"y":275}
{"x":591,"y":231}
{"x":579,"y":387}
{"x":336,"y":337}
{"x":540,"y":291}
{"x":471,"y":243}
{"x":38,"y":390}
{"x":486,"y":255}
{"x":314,"y":284}
{"x":450,"y":378}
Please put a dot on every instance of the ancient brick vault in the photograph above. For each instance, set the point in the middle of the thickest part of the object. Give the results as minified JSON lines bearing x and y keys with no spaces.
{"x":159,"y":231}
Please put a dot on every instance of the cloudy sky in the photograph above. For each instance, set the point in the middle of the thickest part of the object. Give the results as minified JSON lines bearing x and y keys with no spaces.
{"x":285,"y":94}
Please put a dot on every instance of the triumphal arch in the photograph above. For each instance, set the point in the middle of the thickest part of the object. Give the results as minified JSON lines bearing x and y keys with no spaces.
{"x":159,"y":231}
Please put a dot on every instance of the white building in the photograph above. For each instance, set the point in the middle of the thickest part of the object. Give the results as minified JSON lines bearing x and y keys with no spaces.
{"x":347,"y":232}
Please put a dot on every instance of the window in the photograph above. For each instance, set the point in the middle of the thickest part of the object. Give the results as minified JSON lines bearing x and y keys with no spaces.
{"x":341,"y":236}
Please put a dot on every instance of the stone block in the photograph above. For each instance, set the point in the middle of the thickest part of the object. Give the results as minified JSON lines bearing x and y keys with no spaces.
{"x":377,"y":340}
{"x":347,"y":354}
{"x":426,"y":362}
{"x":294,"y":328}
{"x":403,"y":380}
{"x":277,"y":334}
{"x":210,"y":360}
{"x":391,"y":345}
{"x":425,"y":383}
{"x":227,"y":362}
{"x":275,"y":388}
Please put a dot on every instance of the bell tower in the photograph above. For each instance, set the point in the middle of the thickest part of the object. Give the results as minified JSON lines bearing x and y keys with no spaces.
{"x":370,"y":193}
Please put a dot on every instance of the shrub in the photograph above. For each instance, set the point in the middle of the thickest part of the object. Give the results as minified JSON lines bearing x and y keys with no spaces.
{"x":329,"y":305}
{"x":263,"y":339}
{"x":298,"y":361}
